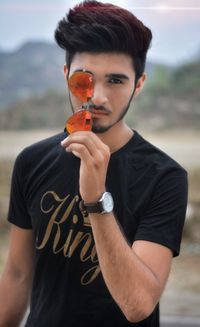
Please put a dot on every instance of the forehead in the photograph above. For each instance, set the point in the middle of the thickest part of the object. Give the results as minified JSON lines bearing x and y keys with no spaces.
{"x":103,"y":63}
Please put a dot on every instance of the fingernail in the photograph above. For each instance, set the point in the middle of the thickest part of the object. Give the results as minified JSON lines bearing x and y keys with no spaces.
{"x":63,"y":141}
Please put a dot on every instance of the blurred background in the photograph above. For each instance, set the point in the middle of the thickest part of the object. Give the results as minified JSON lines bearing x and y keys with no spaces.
{"x":34,"y":105}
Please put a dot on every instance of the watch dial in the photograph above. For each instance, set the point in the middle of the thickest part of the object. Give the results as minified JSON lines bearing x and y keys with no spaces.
{"x":108,"y":202}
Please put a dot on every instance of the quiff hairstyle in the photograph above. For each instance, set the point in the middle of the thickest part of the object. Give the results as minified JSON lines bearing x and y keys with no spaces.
{"x":96,"y":27}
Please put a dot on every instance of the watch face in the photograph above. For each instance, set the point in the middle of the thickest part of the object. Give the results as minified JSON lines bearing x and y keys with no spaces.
{"x":107,"y":202}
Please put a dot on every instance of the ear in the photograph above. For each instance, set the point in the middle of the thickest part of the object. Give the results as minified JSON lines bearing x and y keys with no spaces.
{"x":66,"y":71}
{"x":140,"y":84}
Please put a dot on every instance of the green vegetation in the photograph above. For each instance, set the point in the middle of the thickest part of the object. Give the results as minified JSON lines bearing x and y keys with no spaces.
{"x":170,"y":100}
{"x":186,"y":80}
{"x":33,"y":93}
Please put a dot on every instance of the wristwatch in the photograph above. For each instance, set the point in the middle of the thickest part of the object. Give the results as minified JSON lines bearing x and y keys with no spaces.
{"x":104,"y":205}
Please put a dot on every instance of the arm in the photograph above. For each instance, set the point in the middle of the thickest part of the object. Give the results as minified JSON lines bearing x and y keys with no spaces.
{"x":134,"y":276}
{"x":16,"y":279}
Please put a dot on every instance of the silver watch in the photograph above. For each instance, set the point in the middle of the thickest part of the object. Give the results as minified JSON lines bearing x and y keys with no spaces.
{"x":104,"y":205}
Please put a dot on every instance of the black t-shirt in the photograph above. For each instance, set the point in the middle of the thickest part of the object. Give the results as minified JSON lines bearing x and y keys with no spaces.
{"x":150,"y":195}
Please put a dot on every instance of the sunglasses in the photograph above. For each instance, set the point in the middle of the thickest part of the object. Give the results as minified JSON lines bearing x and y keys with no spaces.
{"x":81,"y":85}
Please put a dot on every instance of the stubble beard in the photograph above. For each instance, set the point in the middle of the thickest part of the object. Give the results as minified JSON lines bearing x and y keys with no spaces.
{"x":99,"y":129}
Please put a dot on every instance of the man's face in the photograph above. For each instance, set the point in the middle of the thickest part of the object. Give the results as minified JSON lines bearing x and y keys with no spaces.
{"x":114,"y":86}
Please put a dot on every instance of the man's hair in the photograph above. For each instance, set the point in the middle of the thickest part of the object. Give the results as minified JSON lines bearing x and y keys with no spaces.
{"x":96,"y":27}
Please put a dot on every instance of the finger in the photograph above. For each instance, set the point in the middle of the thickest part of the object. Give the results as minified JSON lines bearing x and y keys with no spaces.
{"x":78,"y":137}
{"x":81,"y":141}
{"x":80,"y":151}
{"x":89,"y":139}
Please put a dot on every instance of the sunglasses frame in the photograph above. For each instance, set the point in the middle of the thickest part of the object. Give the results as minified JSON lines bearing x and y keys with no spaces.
{"x":90,"y":80}
{"x":81,"y":119}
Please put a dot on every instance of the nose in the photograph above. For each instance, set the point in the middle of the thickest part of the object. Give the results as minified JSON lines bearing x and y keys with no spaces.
{"x":99,"y":97}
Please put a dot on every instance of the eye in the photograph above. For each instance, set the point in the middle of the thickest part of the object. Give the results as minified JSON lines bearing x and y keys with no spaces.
{"x":115,"y":80}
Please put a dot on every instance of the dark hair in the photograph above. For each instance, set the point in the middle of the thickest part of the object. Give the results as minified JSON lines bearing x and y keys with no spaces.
{"x":96,"y":27}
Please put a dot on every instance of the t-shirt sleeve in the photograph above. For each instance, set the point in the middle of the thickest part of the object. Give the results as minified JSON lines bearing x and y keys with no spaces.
{"x":163,"y":220}
{"x":17,"y":212}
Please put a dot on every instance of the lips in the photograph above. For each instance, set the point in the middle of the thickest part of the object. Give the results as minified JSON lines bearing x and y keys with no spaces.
{"x":98,"y":112}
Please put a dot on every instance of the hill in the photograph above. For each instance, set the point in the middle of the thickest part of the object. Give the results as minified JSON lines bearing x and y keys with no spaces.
{"x":33,"y":69}
{"x":30,"y":70}
{"x":33,"y":93}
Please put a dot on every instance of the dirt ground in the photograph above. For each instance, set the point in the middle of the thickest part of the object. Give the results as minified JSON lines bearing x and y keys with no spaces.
{"x":183,"y":146}
{"x":182,"y":293}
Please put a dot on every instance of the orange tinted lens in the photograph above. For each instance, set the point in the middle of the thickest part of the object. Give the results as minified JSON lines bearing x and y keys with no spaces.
{"x":80,"y":121}
{"x":81,"y":85}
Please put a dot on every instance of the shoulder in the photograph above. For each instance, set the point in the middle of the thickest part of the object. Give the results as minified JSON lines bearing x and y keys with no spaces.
{"x":151,"y":157}
{"x":44,"y":145}
{"x":35,"y":151}
{"x":147,"y":168}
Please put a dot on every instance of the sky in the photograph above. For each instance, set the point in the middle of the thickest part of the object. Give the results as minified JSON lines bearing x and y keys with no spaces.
{"x":175,"y":24}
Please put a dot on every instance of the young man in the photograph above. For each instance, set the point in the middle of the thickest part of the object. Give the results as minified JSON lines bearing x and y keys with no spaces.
{"x":106,"y":265}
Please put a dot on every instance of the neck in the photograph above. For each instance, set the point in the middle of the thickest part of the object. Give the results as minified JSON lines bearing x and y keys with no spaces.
{"x":117,"y":136}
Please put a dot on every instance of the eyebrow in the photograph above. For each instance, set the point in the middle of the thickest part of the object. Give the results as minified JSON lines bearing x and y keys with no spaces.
{"x":121,"y":76}
{"x":112,"y":75}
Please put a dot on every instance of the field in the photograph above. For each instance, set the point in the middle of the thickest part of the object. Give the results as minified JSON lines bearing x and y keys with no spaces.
{"x":182,"y":294}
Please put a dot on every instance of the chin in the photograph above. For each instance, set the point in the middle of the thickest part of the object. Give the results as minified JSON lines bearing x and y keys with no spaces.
{"x":100,"y":129}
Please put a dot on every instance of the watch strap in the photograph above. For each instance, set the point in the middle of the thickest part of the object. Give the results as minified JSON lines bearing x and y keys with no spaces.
{"x":102,"y":206}
{"x":91,"y":207}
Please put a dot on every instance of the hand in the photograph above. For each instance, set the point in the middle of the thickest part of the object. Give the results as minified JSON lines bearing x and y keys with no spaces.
{"x":95,"y":156}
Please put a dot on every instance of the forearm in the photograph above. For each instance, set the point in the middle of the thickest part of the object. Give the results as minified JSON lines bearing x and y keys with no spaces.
{"x":130,"y":282}
{"x":14,"y":294}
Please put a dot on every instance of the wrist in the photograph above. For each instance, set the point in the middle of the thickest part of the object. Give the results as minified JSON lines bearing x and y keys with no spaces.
{"x":103,"y":205}
{"x":93,"y":197}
